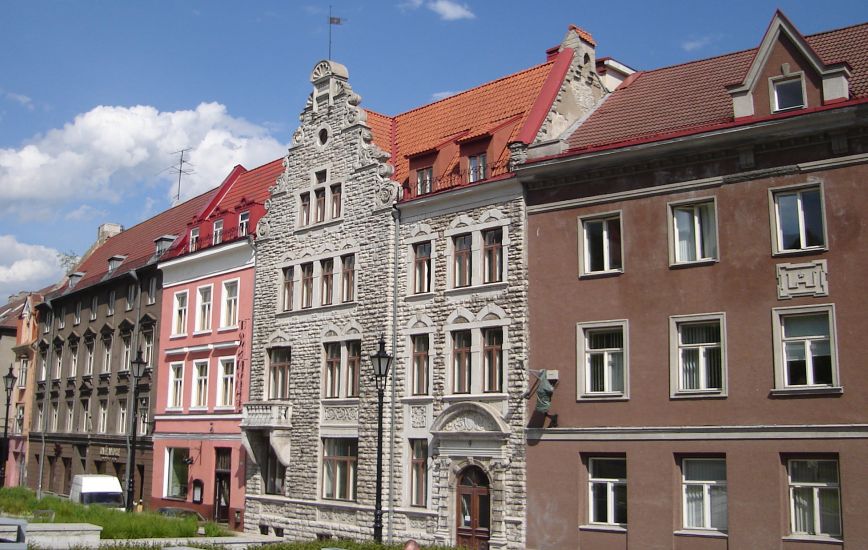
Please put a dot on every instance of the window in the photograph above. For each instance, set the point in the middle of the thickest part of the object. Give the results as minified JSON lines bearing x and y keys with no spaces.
{"x":694,"y":232}
{"x":493,"y":255}
{"x":152,"y":290}
{"x":22,"y":372}
{"x":307,"y":285}
{"x":143,"y":415}
{"x":43,"y":364}
{"x":354,"y":363}
{"x":176,"y":385}
{"x":607,"y":491}
{"x":94,"y":304}
{"x":342,"y":358}
{"x":602,"y":245}
{"x":61,"y":318}
{"x":603,"y":354}
{"x":40,"y":417}
{"x":122,"y":416}
{"x":177,"y":472}
{"x":148,"y":351}
{"x":102,"y":426}
{"x":419,"y":472}
{"x":339,"y":468}
{"x":194,"y":239}
{"x":19,"y":419}
{"x":127,"y":350}
{"x":243,"y":224}
{"x":179,"y":317}
{"x":131,"y":296}
{"x":422,"y":267}
{"x":477,"y":167}
{"x":333,"y":370}
{"x":58,"y":362}
{"x":698,"y":355}
{"x":493,"y":359}
{"x":424,"y":179}
{"x":421,"y":346}
{"x":217,"y":234}
{"x":805,"y":355}
{"x":461,"y":361}
{"x":327,"y":279}
{"x":463,"y":245}
{"x":70,"y":423}
{"x":110,"y":304}
{"x":230,"y":304}
{"x":73,"y":360}
{"x":203,"y":313}
{"x":319,"y":195}
{"x":704,"y":493}
{"x":789,"y":94}
{"x":107,"y":354}
{"x":88,"y":357}
{"x":200,"y":384}
{"x":226,"y":393}
{"x":305,"y":209}
{"x":288,"y":288}
{"x":77,"y":318}
{"x":348,"y":278}
{"x":54,"y":412}
{"x":799,"y":220}
{"x":815,"y":499}
{"x":274,"y":473}
{"x":336,"y":201}
{"x":84,"y":421}
{"x":278,"y":373}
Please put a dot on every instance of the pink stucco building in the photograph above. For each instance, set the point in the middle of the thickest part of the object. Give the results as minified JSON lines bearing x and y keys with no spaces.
{"x":203,"y":365}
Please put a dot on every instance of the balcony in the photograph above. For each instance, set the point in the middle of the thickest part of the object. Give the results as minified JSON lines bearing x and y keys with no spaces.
{"x":456,"y":178}
{"x":267,"y":415}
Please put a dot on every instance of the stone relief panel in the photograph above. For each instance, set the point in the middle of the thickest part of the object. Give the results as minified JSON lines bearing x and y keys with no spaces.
{"x":340,"y":414}
{"x":470,"y":421}
{"x":808,"y":279}
{"x":418,"y":416}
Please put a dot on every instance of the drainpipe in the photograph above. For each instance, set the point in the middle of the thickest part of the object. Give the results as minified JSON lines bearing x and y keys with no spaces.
{"x":251,"y":240}
{"x":134,"y":345}
{"x":50,"y":352}
{"x":396,"y":215}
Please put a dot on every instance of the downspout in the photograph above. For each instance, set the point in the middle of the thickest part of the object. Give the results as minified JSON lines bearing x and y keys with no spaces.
{"x":44,"y":415}
{"x":134,"y":345}
{"x":396,"y":215}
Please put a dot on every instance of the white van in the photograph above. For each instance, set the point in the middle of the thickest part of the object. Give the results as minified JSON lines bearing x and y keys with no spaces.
{"x":97,"y":489}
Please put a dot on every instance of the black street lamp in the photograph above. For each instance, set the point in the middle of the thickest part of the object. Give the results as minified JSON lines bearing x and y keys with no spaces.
{"x":381,"y":362}
{"x":8,"y":382}
{"x":137,"y":365}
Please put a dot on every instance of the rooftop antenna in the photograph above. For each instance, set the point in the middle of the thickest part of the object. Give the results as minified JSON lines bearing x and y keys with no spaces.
{"x":181,"y":171}
{"x":333,"y":21}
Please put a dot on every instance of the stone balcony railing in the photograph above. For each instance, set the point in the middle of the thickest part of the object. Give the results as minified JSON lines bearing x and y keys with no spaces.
{"x":265,"y":415}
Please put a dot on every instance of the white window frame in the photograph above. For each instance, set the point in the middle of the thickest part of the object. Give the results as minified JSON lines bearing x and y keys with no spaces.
{"x":107,"y":342}
{"x":148,"y":348}
{"x":175,"y":399}
{"x":89,"y":356}
{"x":126,"y":354}
{"x":110,"y":304}
{"x":477,"y":167}
{"x":477,"y":253}
{"x":179,"y":315}
{"x":203,"y":322}
{"x":70,"y":419}
{"x":424,"y":180}
{"x":706,"y":495}
{"x":131,"y":296}
{"x":23,"y":367}
{"x":94,"y":307}
{"x":676,"y":388}
{"x":775,"y":81}
{"x":217,"y":232}
{"x":143,"y":415}
{"x":170,"y":451}
{"x":73,"y":360}
{"x":193,"y":243}
{"x":61,"y":318}
{"x":77,"y":318}
{"x":152,"y":290}
{"x":582,"y":367}
{"x":224,"y":303}
{"x":815,"y":488}
{"x":102,"y":420}
{"x":122,"y":416}
{"x":199,"y":400}
{"x":610,"y":491}
{"x":584,"y":271}
{"x":778,"y":315}
{"x":243,"y":223}
{"x":699,"y":236}
{"x":775,"y":218}
{"x":224,"y":401}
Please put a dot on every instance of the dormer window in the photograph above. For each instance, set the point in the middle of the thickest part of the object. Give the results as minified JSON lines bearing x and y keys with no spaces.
{"x":789,"y":94}
{"x":477,"y":167}
{"x":74,"y":278}
{"x":243,"y":224}
{"x":424,"y":179}
{"x":114,"y":262}
{"x":163,"y":243}
{"x":194,"y":239}
{"x":218,"y":232}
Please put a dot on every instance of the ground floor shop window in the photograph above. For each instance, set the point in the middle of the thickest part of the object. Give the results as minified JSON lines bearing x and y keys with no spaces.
{"x":177,"y":465}
{"x":339,"y":468}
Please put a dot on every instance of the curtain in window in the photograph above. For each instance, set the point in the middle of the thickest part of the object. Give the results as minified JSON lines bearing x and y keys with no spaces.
{"x":718,"y":508}
{"x":803,"y":510}
{"x":830,"y":513}
{"x":693,"y":497}
{"x":616,"y":366}
{"x":686,"y":236}
{"x":690,"y":368}
{"x":813,"y":214}
{"x":709,"y":231}
{"x":788,"y":218}
{"x":598,"y":376}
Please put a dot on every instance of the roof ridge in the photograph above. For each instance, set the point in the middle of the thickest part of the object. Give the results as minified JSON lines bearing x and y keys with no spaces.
{"x":854,"y":25}
{"x":160,"y":213}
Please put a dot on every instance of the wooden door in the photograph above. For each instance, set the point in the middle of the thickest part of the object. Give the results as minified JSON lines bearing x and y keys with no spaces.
{"x":473,"y":509}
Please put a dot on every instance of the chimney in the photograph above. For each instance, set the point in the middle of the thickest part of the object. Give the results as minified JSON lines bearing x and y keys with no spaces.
{"x":108,"y":230}
{"x":583,"y":43}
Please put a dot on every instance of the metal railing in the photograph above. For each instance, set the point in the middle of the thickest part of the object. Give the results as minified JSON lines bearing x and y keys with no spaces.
{"x":458,"y":178}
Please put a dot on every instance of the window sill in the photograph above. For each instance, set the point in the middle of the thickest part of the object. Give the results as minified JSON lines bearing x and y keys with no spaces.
{"x":224,"y":408}
{"x":800,"y":251}
{"x":459,"y":397}
{"x":201,"y":332}
{"x":318,"y":225}
{"x":317,"y":309}
{"x":603,"y":397}
{"x":418,"y":399}
{"x":420,"y":297}
{"x":701,"y":533}
{"x":470,"y":289}
{"x":822,"y":539}
{"x":227,"y":329}
{"x":699,"y":394}
{"x":340,"y":400}
{"x":176,"y":336}
{"x":696,"y":263}
{"x":197,"y":409}
{"x":601,"y":274}
{"x":806,"y":391}
{"x":605,"y":528}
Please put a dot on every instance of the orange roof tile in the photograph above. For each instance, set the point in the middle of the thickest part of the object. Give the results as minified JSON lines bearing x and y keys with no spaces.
{"x":253,"y":185}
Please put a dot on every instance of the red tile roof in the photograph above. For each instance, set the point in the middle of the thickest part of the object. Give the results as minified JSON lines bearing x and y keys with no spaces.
{"x":692,"y":96}
{"x":9,"y":313}
{"x":252,"y":186}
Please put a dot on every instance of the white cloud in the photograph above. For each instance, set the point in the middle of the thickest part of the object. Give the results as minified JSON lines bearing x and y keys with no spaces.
{"x":26,"y":266}
{"x":437,"y":96}
{"x":21,"y":99}
{"x":694,"y":44}
{"x":108,"y":151}
{"x":86,"y":212}
{"x":410,"y":5}
{"x":448,"y":10}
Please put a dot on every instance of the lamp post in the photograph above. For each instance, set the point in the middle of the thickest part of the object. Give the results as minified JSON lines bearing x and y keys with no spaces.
{"x":8,"y":382}
{"x":137,"y":366}
{"x":381,"y":362}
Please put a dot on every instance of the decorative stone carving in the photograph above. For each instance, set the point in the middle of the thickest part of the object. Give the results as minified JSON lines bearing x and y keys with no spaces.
{"x":263,"y":228}
{"x":417,"y":523}
{"x":469,"y":422}
{"x":337,"y":516}
{"x":340,"y":415}
{"x":808,"y":279}
{"x":298,"y":136}
{"x":417,"y":416}
{"x":322,"y":69}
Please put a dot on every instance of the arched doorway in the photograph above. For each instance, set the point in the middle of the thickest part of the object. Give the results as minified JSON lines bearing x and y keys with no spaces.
{"x":473,"y":509}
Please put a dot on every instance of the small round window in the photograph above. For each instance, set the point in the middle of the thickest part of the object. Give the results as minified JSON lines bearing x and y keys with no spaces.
{"x":323,"y":136}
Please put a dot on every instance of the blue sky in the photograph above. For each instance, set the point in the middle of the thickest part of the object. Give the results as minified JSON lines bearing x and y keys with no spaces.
{"x":95,"y":95}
